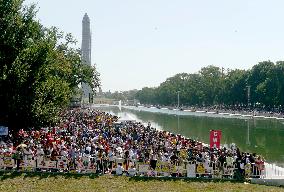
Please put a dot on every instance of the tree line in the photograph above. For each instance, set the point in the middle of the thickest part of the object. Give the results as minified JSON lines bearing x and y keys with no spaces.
{"x":120,"y":95}
{"x":40,"y":68}
{"x":261,"y":86}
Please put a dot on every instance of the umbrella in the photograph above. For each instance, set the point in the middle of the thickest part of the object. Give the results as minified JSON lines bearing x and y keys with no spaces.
{"x":22,"y":145}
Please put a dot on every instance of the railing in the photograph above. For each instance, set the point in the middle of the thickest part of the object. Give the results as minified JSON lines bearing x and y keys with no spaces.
{"x":150,"y":168}
{"x":273,"y":171}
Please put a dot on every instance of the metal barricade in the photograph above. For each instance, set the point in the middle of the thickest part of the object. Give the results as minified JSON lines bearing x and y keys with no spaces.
{"x":189,"y":169}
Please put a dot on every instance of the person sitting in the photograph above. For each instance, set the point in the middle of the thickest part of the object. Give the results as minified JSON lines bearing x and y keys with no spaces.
{"x":119,"y":170}
{"x":132,"y":171}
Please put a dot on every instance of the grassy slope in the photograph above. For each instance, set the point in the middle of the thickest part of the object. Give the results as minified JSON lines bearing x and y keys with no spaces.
{"x":72,"y":183}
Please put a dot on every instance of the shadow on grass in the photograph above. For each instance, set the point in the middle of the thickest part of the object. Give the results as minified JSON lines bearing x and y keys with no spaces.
{"x":43,"y":175}
{"x":11,"y":175}
{"x":185,"y":179}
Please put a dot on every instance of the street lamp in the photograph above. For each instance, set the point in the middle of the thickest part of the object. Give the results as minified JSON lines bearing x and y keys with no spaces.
{"x":248,"y":87}
{"x":178,"y":109}
{"x":178,"y":100}
{"x":248,"y":132}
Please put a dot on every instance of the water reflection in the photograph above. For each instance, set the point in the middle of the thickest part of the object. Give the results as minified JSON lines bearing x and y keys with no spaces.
{"x":178,"y":122}
{"x":248,"y":140}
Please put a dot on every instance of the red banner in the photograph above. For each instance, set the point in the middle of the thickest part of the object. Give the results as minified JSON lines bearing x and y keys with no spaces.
{"x":215,"y":138}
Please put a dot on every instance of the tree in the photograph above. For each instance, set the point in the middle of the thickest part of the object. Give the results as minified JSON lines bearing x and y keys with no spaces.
{"x":211,"y":86}
{"x":235,"y":92}
{"x":146,"y":95}
{"x":39,"y":70}
{"x":259,"y":78}
{"x":211,"y":78}
{"x":279,"y":71}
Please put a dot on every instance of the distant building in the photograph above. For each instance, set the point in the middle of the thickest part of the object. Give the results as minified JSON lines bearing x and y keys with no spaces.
{"x":86,"y":51}
{"x":98,"y":92}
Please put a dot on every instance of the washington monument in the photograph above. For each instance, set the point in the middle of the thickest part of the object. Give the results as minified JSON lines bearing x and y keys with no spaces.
{"x":86,"y":51}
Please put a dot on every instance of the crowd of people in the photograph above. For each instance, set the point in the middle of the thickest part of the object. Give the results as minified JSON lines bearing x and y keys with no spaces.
{"x":92,"y":139}
{"x":244,"y":110}
{"x":234,"y":109}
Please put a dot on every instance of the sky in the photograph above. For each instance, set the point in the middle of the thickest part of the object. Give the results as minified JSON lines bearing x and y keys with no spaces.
{"x":141,"y":43}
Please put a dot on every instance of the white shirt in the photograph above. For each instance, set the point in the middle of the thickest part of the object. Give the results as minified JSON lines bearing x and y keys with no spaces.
{"x":39,"y":152}
{"x":88,"y":148}
{"x":178,"y":147}
{"x":110,"y":156}
{"x":63,"y":153}
{"x":164,"y":158}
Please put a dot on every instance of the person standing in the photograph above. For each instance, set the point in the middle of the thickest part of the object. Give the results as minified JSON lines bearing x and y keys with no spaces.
{"x":18,"y":157}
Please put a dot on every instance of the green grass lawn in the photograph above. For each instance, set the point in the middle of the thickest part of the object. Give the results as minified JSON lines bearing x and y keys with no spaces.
{"x":56,"y":182}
